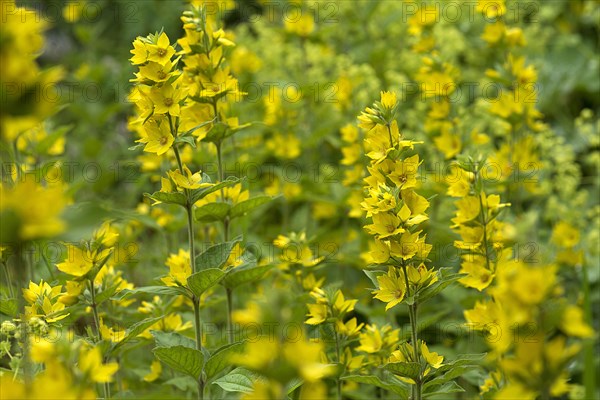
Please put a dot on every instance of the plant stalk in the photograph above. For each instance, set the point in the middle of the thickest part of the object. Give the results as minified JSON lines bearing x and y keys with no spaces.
{"x":229,"y":311}
{"x":412,"y":314}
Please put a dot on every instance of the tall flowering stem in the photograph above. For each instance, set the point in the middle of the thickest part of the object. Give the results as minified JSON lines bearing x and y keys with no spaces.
{"x":396,"y":212}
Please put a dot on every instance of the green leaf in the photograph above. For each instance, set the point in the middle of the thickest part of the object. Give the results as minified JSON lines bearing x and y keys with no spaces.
{"x":453,"y":369}
{"x":238,"y":380}
{"x":189,"y":132}
{"x":215,"y":256}
{"x":168,"y":198}
{"x":372,"y":275}
{"x":220,"y":359}
{"x":137,"y":146}
{"x":405,"y":369}
{"x":240,"y":275}
{"x":9,"y":307}
{"x":186,"y":139}
{"x":160,"y":290}
{"x":217,"y":133}
{"x":448,"y":376}
{"x":106,"y":294}
{"x":181,"y":359}
{"x":387,"y":381}
{"x":135,"y":330}
{"x":437,"y":287}
{"x":246,"y":206}
{"x":201,"y":193}
{"x":293,"y":385}
{"x":184,"y":383}
{"x":212,"y":212}
{"x":203,"y":280}
{"x":46,"y":143}
{"x":170,"y":339}
{"x":448,"y":387}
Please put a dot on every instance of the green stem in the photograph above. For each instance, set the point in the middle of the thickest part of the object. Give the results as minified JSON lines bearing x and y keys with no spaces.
{"x":198,"y":331}
{"x":338,"y":382}
{"x":412,"y":314}
{"x":229,"y":311}
{"x":221,"y":179}
{"x":23,"y":274}
{"x":94,"y":306}
{"x":589,"y":370}
{"x":190,"y":224}
{"x":484,"y":223}
{"x":190,"y":216}
{"x":8,"y":280}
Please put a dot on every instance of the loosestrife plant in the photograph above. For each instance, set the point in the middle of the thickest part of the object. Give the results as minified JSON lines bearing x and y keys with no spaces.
{"x":397,"y":211}
{"x":177,"y":109}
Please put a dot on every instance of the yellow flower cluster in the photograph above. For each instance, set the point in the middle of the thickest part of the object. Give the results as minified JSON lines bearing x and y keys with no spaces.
{"x":279,"y":361}
{"x":396,"y":211}
{"x":391,"y":202}
{"x":481,"y":233}
{"x":28,"y":93}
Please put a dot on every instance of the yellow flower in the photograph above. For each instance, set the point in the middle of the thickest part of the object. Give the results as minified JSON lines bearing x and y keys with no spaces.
{"x":74,"y":289}
{"x":408,"y":219}
{"x":374,"y":339}
{"x":349,"y":328}
{"x":284,"y":146}
{"x":306,"y":358}
{"x":318,"y":314}
{"x":52,"y":310}
{"x":405,"y":172}
{"x":110,"y":334}
{"x":468,"y":208}
{"x":302,"y":26}
{"x":484,"y":314}
{"x":341,"y":305}
{"x":392,"y":288}
{"x":380,"y":251}
{"x":24,"y":200}
{"x":189,"y":180}
{"x":491,"y":8}
{"x":459,"y":181}
{"x":158,"y":137}
{"x":107,"y":235}
{"x":532,"y":284}
{"x":161,"y":52}
{"x":42,"y":350}
{"x":156,"y":72}
{"x":155,"y":371}
{"x":377,"y":143}
{"x":258,"y":354}
{"x":166,"y":99}
{"x":179,"y":269}
{"x":252,"y":314}
{"x":572,"y":323}
{"x":432,"y":358}
{"x":436,"y":82}
{"x":351,"y":154}
{"x":79,"y":262}
{"x":385,"y":225}
{"x":421,"y":275}
{"x":478,"y":276}
{"x":90,"y":363}
{"x":170,"y":323}
{"x":448,"y":143}
{"x":140,"y":52}
{"x":565,"y":235}
{"x":35,"y":291}
{"x":408,"y":245}
{"x":388,"y":100}
{"x":349,"y":133}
